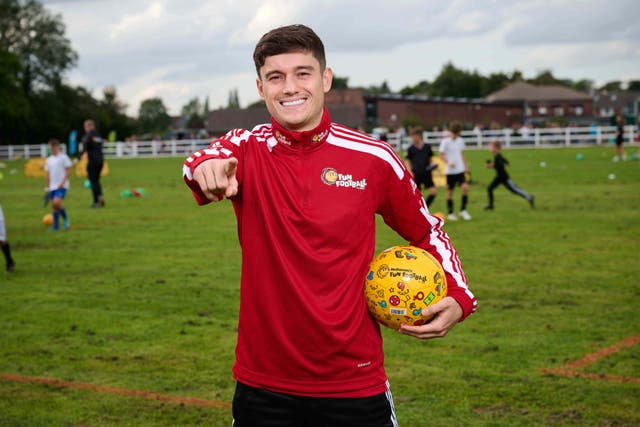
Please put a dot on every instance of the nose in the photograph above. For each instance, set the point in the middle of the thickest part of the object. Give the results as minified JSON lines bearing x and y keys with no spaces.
{"x":289,"y":87}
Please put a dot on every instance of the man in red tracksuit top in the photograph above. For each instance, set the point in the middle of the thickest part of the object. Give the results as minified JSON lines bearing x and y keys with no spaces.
{"x":306,"y":192}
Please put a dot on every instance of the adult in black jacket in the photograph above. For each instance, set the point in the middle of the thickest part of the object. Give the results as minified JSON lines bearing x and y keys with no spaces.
{"x":92,"y":149}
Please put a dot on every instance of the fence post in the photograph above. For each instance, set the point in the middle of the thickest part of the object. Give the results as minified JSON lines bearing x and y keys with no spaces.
{"x":537,"y":137}
{"x":567,"y":136}
{"x":507,"y":138}
{"x":599,"y":135}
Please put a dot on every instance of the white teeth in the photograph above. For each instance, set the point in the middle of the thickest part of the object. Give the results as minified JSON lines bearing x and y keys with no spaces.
{"x":291,"y":103}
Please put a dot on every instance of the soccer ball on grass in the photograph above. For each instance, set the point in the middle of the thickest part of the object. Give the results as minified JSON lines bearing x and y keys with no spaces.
{"x":47,"y":220}
{"x":401,"y":282}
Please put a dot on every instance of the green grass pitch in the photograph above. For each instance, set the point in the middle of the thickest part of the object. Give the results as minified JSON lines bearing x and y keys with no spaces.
{"x":142,"y":296}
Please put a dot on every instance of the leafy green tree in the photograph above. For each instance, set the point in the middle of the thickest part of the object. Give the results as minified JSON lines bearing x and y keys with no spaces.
{"x":55,"y":112}
{"x":153,"y":116}
{"x":37,"y":37}
{"x":111,"y":114}
{"x":192,"y":108}
{"x":379,"y":90}
{"x":613,"y":86}
{"x":547,"y":78}
{"x":494,"y":82}
{"x":14,"y":105}
{"x":516,"y":76}
{"x":340,"y":82}
{"x":422,"y":87}
{"x":583,"y":85}
{"x":234,"y":100}
{"x":457,"y":83}
{"x":633,"y":86}
{"x":194,"y":111}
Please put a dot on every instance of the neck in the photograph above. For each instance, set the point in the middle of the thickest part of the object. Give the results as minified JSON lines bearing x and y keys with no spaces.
{"x":304,"y":137}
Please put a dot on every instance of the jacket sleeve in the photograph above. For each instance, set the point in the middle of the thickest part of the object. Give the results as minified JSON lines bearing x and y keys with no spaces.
{"x":403,"y":208}
{"x":223,"y":148}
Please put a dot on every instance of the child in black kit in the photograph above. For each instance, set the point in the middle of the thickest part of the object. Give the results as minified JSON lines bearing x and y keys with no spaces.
{"x":502,"y":177}
{"x":418,"y":161}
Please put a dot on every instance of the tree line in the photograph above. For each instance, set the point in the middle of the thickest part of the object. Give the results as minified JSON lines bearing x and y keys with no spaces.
{"x":36,"y":103}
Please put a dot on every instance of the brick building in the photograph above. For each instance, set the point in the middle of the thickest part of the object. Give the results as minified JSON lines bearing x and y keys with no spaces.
{"x":515,"y":104}
{"x":607,"y":104}
{"x":396,"y":110}
{"x":542,"y":103}
{"x":346,"y":106}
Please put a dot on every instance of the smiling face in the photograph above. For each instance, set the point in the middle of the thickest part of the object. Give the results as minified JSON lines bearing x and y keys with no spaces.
{"x":293,"y":87}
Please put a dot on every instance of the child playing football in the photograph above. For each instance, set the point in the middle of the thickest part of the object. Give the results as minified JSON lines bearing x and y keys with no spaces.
{"x":58,"y":168}
{"x":502,"y":177}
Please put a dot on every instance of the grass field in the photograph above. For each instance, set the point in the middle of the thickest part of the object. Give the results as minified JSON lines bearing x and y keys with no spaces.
{"x":129,"y":318}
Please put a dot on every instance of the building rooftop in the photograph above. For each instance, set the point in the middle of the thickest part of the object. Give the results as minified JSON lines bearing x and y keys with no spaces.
{"x":521,"y":91}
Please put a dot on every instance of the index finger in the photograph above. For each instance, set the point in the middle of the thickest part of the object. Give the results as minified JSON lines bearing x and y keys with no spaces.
{"x":204,"y":176}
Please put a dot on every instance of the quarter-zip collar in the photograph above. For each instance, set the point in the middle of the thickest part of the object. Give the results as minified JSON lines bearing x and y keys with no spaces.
{"x":304,"y":139}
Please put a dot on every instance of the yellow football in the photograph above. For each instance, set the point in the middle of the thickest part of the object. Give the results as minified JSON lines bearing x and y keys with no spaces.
{"x":47,"y":220}
{"x":401,"y":282}
{"x":440,"y":215}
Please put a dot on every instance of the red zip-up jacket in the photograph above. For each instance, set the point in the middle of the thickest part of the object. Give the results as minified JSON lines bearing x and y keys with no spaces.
{"x":306,"y":209}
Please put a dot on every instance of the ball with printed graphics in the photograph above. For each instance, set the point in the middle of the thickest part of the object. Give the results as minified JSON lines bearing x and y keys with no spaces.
{"x":400,"y":283}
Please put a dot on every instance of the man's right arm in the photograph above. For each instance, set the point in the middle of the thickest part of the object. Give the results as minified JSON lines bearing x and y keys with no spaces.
{"x":215,"y":178}
{"x":211,"y":173}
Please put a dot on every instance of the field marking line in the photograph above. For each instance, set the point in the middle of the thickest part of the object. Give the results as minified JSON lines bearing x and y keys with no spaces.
{"x":571,"y":369}
{"x":192,"y":401}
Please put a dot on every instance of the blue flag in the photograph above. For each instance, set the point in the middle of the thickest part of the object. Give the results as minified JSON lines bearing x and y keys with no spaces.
{"x":73,"y":142}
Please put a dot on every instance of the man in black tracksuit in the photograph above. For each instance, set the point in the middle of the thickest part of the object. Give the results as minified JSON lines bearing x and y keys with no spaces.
{"x":92,"y":148}
{"x":502,"y":177}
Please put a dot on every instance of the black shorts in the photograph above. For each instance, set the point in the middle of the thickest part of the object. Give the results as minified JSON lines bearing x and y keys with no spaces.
{"x":424,"y":179}
{"x":455,"y":179}
{"x":254,"y":407}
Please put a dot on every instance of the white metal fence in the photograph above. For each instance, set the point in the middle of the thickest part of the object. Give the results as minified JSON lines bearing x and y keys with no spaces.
{"x":169,"y":148}
{"x":538,"y":137}
{"x":533,"y":138}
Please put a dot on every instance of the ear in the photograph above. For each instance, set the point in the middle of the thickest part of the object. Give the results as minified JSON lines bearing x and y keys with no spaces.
{"x":259,"y":86}
{"x":327,"y":79}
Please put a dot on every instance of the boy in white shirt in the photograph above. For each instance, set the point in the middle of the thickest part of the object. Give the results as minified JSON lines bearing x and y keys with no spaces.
{"x":58,"y":168}
{"x":450,"y":151}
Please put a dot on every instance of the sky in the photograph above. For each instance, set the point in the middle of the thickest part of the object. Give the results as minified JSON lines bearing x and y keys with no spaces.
{"x":178,"y":50}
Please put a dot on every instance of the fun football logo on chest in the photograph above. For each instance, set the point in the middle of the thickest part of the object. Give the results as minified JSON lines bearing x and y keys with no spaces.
{"x":330,"y":176}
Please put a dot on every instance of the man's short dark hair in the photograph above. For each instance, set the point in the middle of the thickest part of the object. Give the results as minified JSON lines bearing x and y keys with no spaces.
{"x":288,"y":39}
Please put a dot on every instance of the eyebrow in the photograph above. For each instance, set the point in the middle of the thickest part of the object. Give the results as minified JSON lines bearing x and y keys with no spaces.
{"x":298,"y":68}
